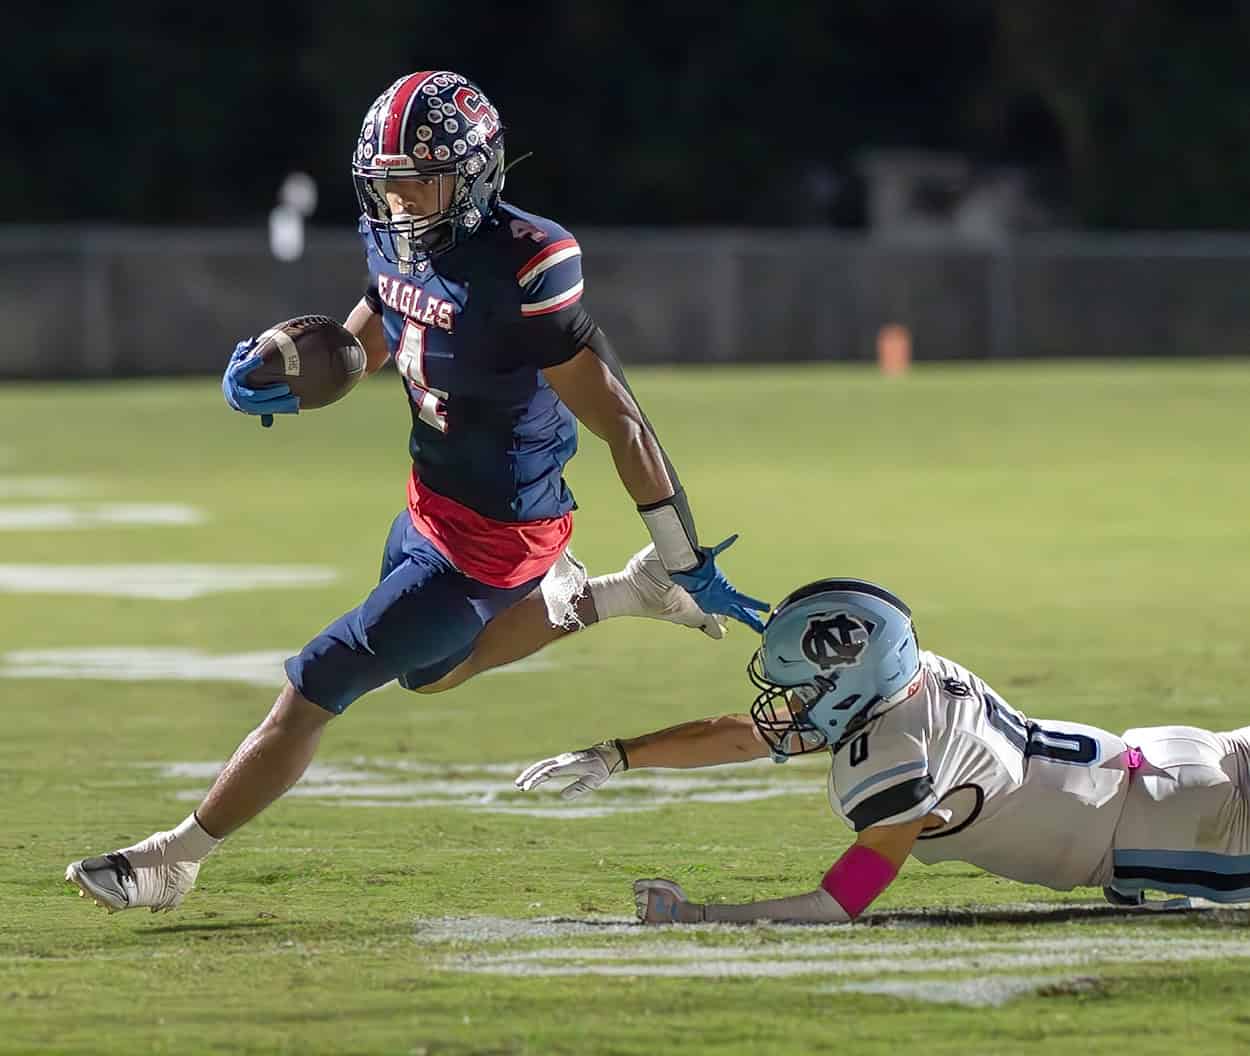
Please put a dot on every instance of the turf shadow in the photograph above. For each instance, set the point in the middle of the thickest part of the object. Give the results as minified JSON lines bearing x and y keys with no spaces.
{"x":225,"y":925}
{"x":1041,"y":913}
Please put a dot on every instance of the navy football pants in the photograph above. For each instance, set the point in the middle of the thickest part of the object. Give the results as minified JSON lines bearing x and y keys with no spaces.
{"x":418,"y":623}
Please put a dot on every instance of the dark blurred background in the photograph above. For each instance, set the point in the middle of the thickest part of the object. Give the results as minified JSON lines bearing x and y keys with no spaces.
{"x":967,"y":134}
{"x":1124,"y":114}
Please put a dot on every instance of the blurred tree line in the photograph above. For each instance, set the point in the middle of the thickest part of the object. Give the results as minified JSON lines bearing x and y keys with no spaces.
{"x":1132,"y":114}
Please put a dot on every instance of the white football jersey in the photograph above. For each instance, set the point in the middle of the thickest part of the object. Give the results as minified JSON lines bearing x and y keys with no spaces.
{"x":1031,"y":801}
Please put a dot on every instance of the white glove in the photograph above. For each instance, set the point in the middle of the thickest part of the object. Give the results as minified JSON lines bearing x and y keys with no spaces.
{"x":664,"y":902}
{"x":590,"y":766}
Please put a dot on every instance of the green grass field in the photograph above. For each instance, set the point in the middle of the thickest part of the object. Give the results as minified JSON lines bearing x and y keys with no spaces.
{"x":1076,"y":534}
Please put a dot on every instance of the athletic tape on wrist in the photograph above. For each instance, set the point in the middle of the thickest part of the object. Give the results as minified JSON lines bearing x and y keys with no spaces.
{"x":672,"y":530}
{"x":858,"y":877}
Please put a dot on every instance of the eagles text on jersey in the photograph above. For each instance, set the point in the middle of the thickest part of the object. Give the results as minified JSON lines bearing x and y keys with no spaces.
{"x":471,"y":331}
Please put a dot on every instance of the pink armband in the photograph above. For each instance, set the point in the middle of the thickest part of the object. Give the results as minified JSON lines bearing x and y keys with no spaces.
{"x":859,"y":876}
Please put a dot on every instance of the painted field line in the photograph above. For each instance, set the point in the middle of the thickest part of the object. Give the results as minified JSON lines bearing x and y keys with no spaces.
{"x":122,"y":664}
{"x":488,"y":788}
{"x":261,"y":667}
{"x":754,"y":769}
{"x":686,"y":959}
{"x":106,"y":515}
{"x":487,"y":930}
{"x":569,"y":813}
{"x":663,"y":948}
{"x":158,"y":581}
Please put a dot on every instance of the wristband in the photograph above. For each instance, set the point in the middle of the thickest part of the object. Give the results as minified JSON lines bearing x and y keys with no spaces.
{"x":620,"y":747}
{"x":859,"y":876}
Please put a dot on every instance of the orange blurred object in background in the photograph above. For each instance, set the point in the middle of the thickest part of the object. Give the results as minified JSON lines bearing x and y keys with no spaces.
{"x":893,"y":349}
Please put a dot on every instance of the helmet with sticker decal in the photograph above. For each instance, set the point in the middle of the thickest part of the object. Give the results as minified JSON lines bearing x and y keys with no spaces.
{"x":436,"y":128}
{"x":834,"y":653}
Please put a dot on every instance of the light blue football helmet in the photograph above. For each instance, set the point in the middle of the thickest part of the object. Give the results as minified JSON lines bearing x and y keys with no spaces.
{"x":840,"y":651}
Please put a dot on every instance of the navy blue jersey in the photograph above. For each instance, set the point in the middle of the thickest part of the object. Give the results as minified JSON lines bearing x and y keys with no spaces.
{"x":470,"y":332}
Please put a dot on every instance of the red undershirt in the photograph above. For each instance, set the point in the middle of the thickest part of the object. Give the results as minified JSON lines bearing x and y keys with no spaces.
{"x":498,"y":553}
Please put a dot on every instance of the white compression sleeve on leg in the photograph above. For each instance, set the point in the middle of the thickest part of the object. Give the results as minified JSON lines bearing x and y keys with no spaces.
{"x":814,"y":907}
{"x":189,"y":842}
{"x":616,"y":595}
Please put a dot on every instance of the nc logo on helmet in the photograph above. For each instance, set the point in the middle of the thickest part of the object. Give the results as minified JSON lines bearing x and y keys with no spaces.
{"x":837,"y":641}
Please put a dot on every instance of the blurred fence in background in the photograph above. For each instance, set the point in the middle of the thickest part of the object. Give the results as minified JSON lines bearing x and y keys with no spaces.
{"x":96,"y":303}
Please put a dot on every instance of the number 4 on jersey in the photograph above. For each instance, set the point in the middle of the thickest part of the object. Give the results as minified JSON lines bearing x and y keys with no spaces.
{"x":410,"y":361}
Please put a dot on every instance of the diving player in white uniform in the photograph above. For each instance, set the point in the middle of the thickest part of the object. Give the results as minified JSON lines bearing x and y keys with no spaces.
{"x":929,"y":761}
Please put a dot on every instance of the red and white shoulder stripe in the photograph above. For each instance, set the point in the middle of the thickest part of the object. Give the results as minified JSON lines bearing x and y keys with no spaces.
{"x":547,"y":257}
{"x":551,"y":278}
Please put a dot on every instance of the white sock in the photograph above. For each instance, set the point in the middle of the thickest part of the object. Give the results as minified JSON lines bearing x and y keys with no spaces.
{"x":616,"y":595}
{"x":187,"y":843}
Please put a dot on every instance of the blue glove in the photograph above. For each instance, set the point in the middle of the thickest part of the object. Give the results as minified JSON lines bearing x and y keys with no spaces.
{"x":268,"y":401}
{"x":713,"y":593}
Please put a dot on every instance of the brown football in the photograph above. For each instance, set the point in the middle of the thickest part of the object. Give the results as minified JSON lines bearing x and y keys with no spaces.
{"x":313,"y":354}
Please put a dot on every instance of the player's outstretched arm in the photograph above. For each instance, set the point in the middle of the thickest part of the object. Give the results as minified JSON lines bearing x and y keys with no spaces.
{"x":703,"y":742}
{"x":852,"y":883}
{"x":593,"y":386}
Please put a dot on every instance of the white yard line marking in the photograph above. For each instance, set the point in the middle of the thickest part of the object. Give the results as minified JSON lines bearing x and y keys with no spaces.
{"x":560,"y":813}
{"x":665,"y":957}
{"x":65,"y":518}
{"x":502,"y":930}
{"x":261,"y":668}
{"x":156,"y":664}
{"x":162,"y":582}
{"x":487,"y":787}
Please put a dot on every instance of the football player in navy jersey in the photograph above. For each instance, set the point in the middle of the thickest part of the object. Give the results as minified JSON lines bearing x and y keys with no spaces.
{"x":480,"y":305}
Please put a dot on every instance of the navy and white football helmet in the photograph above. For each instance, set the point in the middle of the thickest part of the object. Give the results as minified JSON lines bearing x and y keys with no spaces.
{"x":437,"y":126}
{"x":835,"y":653}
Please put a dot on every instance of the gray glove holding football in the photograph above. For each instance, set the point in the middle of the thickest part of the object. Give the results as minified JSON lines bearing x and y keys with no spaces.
{"x":588,"y":767}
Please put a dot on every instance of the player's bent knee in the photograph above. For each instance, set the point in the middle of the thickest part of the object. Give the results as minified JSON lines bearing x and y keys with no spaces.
{"x":293,"y":710}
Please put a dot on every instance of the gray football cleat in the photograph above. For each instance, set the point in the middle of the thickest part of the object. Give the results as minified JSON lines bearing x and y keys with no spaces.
{"x":111,"y":881}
